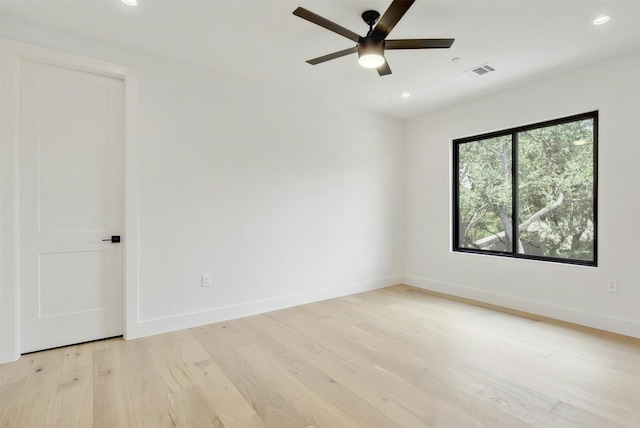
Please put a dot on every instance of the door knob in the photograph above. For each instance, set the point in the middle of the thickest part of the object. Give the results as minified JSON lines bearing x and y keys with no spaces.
{"x":114,"y":238}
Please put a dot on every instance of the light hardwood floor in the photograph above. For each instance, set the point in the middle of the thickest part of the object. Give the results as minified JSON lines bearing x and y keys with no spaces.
{"x":397,"y":357}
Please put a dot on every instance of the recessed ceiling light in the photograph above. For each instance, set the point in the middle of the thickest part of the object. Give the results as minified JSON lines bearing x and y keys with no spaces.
{"x":405,"y":95}
{"x":601,"y":20}
{"x":130,"y":2}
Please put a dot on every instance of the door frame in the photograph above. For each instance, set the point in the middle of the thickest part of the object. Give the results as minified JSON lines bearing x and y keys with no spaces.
{"x":13,"y":52}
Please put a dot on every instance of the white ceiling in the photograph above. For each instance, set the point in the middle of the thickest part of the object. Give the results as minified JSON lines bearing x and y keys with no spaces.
{"x":263,"y":41}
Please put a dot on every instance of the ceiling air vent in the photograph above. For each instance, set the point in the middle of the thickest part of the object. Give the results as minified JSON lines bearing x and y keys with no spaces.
{"x":480,"y":70}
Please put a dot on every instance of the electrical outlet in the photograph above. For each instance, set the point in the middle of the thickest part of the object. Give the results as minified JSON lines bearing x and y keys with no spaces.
{"x":380,"y":259}
{"x":612,"y":285}
{"x":206,"y":280}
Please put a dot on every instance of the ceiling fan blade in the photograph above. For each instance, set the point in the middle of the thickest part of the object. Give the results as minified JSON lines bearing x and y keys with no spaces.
{"x":384,"y":69}
{"x":323,"y":22}
{"x":390,"y":18}
{"x":333,"y":56}
{"x":418,"y":44}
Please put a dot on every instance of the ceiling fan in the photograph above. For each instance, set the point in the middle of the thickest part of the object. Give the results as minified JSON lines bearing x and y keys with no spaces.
{"x":371,"y":48}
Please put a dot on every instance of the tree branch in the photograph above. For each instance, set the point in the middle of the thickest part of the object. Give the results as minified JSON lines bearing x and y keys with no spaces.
{"x":486,"y":242}
{"x":541,"y":212}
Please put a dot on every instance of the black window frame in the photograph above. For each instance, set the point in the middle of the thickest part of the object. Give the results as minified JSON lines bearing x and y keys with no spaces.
{"x":513,"y":132}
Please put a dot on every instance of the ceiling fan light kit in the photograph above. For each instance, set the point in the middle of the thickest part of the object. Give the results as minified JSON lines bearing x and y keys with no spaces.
{"x":371,"y":48}
{"x":371,"y":53}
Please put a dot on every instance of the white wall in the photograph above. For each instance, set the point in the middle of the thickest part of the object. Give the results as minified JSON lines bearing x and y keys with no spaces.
{"x":271,"y":193}
{"x":572,"y":293}
{"x":283,"y":199}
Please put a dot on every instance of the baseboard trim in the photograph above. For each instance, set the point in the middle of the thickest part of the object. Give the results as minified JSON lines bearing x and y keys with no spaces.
{"x":225,"y":313}
{"x":562,"y":313}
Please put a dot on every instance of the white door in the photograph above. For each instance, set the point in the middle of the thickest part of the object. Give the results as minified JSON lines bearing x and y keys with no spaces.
{"x":71,"y":200}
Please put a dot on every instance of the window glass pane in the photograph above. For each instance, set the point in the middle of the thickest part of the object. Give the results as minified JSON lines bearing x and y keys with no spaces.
{"x":484,"y":194}
{"x":556,"y":191}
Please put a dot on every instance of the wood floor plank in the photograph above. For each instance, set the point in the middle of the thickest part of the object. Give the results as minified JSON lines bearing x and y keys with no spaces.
{"x":395,"y":357}
{"x":42,"y":381}
{"x":181,"y":343}
{"x":16,"y":371}
{"x":367,"y":375}
{"x":112,"y":400}
{"x":221,"y":341}
{"x":349,"y":402}
{"x":575,"y":416}
{"x":316,"y":409}
{"x":530,"y":370}
{"x":452,"y":386}
{"x":522,"y":403}
{"x":616,"y":385}
{"x":296,"y":359}
{"x":145,"y":386}
{"x":26,"y":414}
{"x":172,"y":369}
{"x":190,"y":409}
{"x":72,"y":404}
{"x":227,"y":401}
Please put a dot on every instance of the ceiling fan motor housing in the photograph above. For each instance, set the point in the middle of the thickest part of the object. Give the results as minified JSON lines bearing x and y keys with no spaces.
{"x":370,"y":47}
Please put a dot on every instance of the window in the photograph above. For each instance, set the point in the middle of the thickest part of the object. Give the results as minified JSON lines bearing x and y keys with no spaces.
{"x":529,"y":192}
